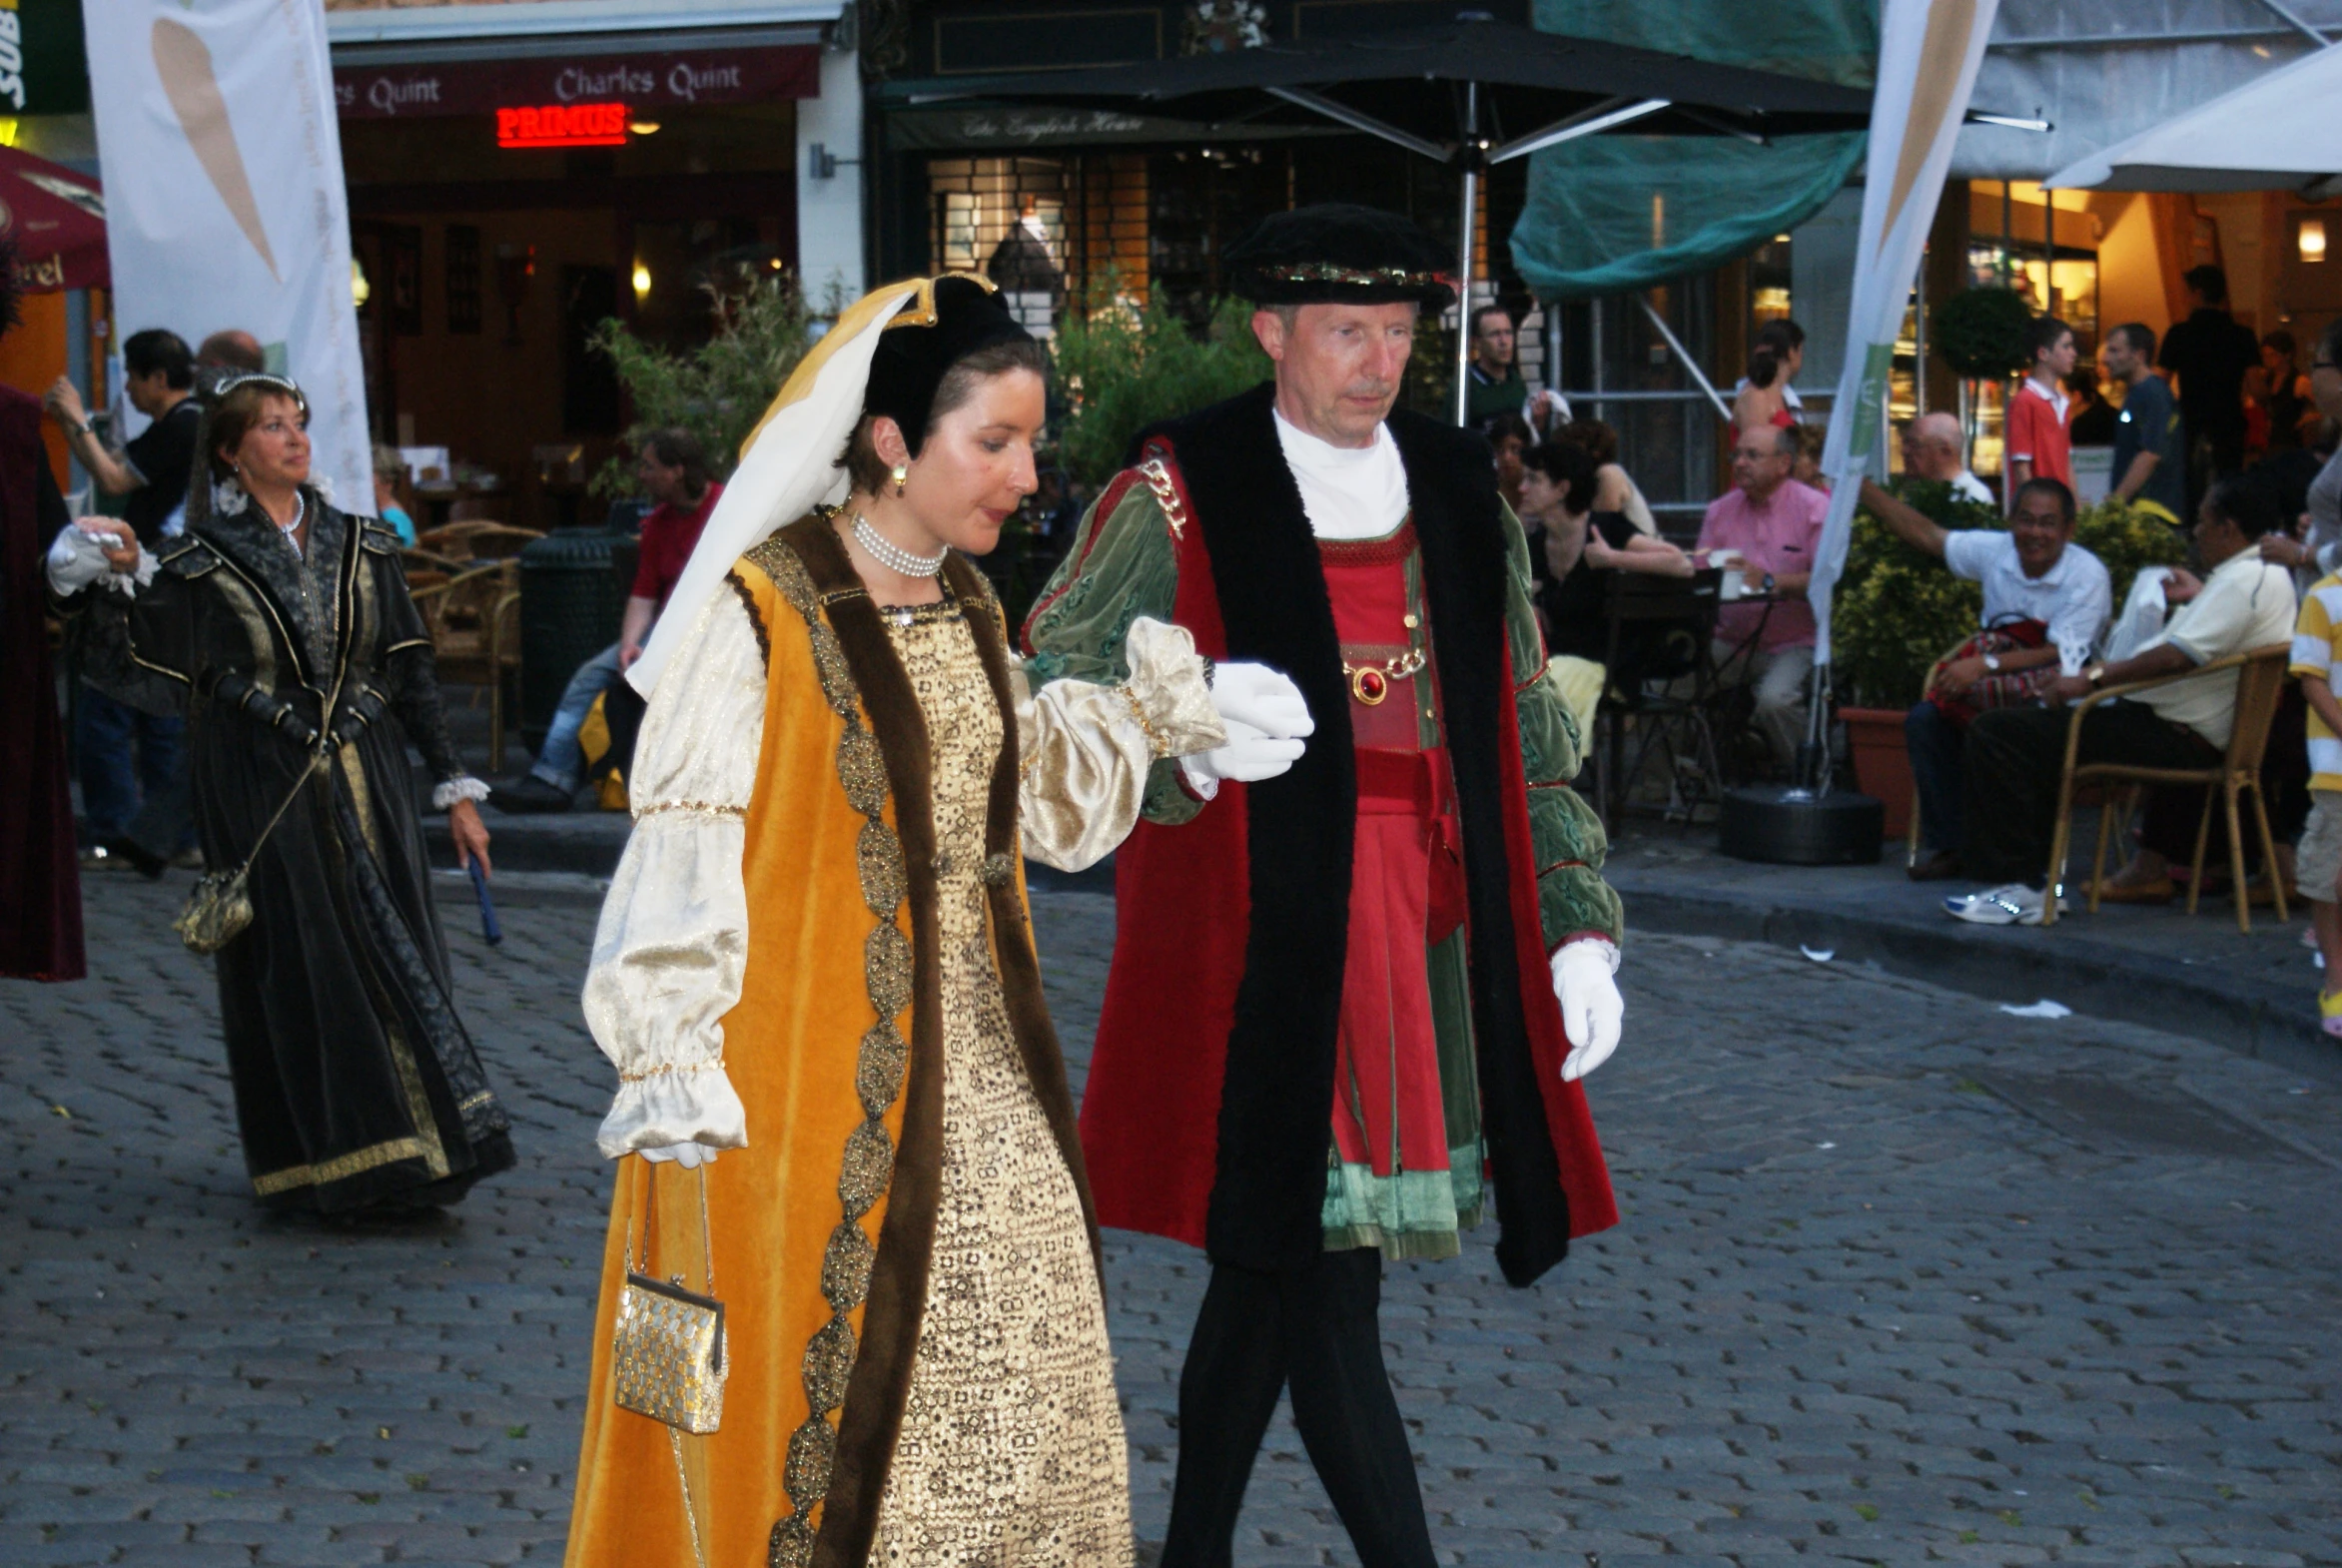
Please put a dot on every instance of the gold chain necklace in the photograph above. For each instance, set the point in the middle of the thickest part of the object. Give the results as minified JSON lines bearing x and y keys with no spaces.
{"x":1370,"y":683}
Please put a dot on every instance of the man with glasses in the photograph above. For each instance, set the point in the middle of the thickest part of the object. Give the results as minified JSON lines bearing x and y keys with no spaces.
{"x":1775,"y":526}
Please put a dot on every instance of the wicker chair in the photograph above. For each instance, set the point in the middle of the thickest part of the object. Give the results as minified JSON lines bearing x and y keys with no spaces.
{"x":473,"y":617}
{"x":2260,"y":681}
{"x":475,"y":540}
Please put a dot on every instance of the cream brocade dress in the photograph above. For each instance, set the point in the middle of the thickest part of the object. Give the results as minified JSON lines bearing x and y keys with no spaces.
{"x":1010,"y":1453}
{"x":1011,"y":1448}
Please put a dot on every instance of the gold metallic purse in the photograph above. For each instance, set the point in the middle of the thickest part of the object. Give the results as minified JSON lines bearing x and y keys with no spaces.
{"x":668,"y":1356}
{"x":219,"y":909}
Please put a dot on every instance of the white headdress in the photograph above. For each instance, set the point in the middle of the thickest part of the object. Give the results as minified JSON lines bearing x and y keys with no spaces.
{"x":788,"y":465}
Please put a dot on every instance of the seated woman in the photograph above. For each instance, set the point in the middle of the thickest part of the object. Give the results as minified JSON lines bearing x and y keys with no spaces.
{"x":1614,"y":487}
{"x":1583,"y":546}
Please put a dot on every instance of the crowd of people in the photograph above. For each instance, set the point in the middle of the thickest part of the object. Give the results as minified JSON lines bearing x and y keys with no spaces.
{"x":2221,"y":436}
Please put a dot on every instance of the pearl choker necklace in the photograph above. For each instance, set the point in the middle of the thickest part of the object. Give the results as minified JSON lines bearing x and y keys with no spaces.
{"x":893,"y":557}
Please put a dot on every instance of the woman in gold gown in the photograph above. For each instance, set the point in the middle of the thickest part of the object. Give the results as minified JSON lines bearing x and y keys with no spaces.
{"x":815,"y":961}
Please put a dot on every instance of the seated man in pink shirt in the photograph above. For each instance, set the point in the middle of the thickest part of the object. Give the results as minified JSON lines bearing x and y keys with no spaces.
{"x":1776,"y":526}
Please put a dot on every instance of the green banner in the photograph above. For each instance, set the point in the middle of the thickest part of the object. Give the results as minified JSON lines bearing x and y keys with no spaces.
{"x":1612,"y":213}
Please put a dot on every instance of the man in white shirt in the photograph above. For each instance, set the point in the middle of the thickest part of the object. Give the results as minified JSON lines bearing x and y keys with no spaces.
{"x":2046,"y":603}
{"x":2015,"y":755}
{"x":1932,"y":451}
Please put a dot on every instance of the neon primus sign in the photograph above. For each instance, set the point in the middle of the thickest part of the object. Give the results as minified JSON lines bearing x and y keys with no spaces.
{"x":563,"y":125}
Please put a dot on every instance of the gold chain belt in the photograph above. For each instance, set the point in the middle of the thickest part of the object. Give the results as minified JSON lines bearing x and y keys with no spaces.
{"x":1370,"y":683}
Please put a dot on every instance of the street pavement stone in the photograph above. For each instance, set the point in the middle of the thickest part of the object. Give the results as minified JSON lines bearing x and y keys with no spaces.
{"x":1902,"y":1278}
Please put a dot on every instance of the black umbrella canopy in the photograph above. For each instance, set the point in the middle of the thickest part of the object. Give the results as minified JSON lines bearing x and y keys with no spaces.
{"x":1415,"y":85}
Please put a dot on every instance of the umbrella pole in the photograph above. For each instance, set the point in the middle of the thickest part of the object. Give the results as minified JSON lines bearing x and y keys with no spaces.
{"x":1469,"y":158}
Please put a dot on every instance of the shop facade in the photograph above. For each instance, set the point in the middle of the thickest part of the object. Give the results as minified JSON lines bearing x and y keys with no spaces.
{"x":520,"y":173}
{"x":1071,"y":206}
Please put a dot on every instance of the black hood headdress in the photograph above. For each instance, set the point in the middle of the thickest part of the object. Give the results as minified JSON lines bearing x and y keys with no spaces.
{"x":948,"y":320}
{"x":1340,"y":251}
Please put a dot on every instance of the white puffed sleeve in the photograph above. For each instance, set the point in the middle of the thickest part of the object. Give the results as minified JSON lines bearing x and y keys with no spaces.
{"x":1085,"y":749}
{"x":672,"y":945}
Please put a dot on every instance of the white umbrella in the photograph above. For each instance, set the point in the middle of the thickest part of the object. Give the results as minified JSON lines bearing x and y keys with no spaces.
{"x":2276,"y":132}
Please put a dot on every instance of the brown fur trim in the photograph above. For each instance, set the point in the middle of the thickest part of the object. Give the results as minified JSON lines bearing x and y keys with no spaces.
{"x":764,"y":643}
{"x":881,"y":1384}
{"x":1012,"y":943}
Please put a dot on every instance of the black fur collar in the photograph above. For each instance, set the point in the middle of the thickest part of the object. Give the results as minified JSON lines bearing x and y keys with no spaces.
{"x":1265,"y":573}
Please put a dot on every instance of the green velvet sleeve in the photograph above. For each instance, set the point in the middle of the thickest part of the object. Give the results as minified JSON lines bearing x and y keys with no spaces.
{"x":1570,"y":845}
{"x":1123,"y":565}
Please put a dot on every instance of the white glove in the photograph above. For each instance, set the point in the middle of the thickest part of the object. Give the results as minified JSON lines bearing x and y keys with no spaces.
{"x":689,"y":1155}
{"x":1266,"y":720}
{"x":1591,"y":1008}
{"x":77,"y":559}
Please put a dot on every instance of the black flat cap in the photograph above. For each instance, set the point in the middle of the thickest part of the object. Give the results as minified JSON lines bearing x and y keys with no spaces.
{"x":948,"y":320}
{"x":1340,"y":251}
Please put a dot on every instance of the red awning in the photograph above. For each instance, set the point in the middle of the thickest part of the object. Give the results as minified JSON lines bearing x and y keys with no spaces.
{"x":57,"y":218}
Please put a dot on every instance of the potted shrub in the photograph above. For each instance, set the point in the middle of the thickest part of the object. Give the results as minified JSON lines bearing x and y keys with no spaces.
{"x":1896,"y":610}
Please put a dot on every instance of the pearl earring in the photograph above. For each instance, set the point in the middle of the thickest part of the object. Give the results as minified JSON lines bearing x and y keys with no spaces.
{"x":901,"y":475}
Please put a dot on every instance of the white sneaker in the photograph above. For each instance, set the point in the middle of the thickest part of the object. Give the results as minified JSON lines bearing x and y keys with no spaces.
{"x":2013,"y":904}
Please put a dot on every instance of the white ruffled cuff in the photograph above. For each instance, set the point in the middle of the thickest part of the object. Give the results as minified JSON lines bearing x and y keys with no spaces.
{"x":76,"y":560}
{"x":463,"y":786}
{"x":1201,"y":785}
{"x":1167,"y":685}
{"x":694,"y":1104}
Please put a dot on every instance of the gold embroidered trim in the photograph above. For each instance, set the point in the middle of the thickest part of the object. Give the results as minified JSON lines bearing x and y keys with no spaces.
{"x":338,"y":1168}
{"x":867,"y":1162}
{"x":710,"y":807}
{"x":1157,"y":473}
{"x":1157,"y":744}
{"x":713,"y":1065}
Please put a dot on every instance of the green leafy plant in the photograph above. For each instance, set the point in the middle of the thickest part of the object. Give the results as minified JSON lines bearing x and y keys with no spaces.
{"x":719,"y":390}
{"x":1898,"y":608}
{"x":1982,"y":334}
{"x":1123,"y":365}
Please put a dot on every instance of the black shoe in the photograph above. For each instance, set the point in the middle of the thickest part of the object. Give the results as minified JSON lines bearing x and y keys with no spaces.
{"x":127,"y":852}
{"x":530,"y":794}
{"x":1941,"y":865}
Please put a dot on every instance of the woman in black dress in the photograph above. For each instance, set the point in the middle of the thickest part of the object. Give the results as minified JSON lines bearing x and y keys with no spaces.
{"x":283,"y":629}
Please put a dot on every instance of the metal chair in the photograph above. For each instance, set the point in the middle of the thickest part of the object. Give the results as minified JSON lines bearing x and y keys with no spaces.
{"x":2260,"y":681}
{"x":1667,"y":715}
{"x":473,"y":617}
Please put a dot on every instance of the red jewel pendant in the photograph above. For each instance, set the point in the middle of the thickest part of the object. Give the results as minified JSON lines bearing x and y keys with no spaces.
{"x":1370,"y":686}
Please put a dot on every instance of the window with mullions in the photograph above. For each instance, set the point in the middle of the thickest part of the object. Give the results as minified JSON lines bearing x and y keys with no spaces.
{"x":1004,"y":218}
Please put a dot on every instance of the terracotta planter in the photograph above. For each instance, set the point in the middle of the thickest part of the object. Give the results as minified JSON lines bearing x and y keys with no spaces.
{"x":1882,"y":765}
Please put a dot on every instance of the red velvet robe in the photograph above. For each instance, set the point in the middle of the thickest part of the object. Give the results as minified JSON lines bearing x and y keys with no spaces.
{"x":1151,"y":1112}
{"x":40,"y":875}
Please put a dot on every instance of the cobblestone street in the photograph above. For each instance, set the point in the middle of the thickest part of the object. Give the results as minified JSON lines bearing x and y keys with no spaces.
{"x":1902,"y":1278}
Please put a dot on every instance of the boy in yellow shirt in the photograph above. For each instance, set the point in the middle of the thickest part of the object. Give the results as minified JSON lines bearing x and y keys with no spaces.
{"x":2317,"y":648}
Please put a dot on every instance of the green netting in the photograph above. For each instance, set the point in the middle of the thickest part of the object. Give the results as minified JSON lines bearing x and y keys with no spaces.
{"x":1611,"y":214}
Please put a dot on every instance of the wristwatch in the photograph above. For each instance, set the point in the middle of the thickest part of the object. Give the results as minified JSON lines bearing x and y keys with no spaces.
{"x":1993,"y":663}
{"x":1766,"y":586}
{"x":2094,"y":674}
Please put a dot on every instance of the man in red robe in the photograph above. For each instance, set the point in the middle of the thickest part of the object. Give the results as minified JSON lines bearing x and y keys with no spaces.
{"x":1349,"y":1000}
{"x":40,"y":879}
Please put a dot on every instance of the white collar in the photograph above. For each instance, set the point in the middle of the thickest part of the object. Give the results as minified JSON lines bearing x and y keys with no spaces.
{"x":2048,"y":394}
{"x":1348,"y":493}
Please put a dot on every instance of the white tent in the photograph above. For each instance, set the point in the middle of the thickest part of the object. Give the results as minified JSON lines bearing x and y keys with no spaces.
{"x":2276,"y":132}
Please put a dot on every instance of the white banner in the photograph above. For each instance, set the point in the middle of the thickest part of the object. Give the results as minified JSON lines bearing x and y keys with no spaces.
{"x":225,"y":204}
{"x":1929,"y":51}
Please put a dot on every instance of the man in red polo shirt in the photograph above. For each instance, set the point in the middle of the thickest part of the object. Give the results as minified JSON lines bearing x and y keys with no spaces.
{"x":2038,"y":446}
{"x":672,"y":470}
